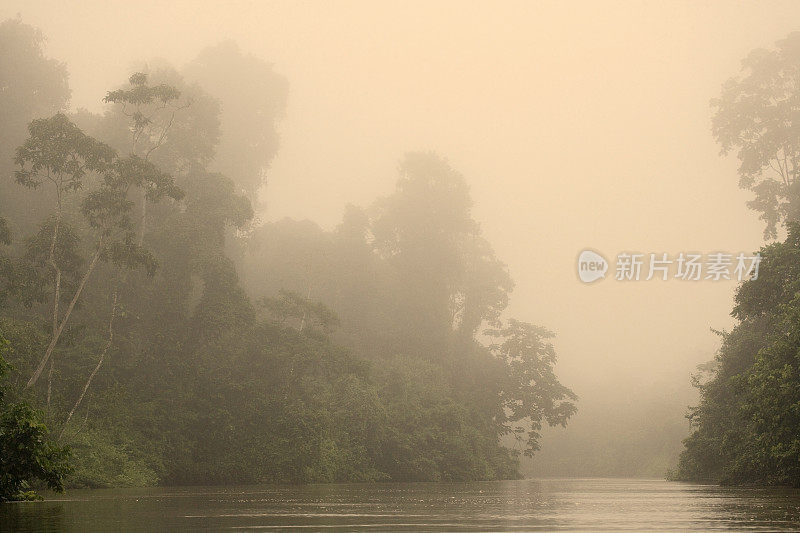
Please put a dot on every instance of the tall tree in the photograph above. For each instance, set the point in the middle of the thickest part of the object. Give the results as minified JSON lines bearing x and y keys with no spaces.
{"x":758,"y":116}
{"x":58,"y":151}
{"x":745,"y":425}
{"x":33,"y":86}
{"x":152,"y":110}
{"x":530,"y":391}
{"x":450,"y":280}
{"x":107,"y":212}
{"x":58,"y":154}
{"x":253,"y":99}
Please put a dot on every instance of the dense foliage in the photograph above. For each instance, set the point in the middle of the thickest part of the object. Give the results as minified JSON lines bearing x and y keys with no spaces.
{"x":757,"y":117}
{"x":747,"y":425}
{"x":375,"y":351}
{"x":27,"y":458}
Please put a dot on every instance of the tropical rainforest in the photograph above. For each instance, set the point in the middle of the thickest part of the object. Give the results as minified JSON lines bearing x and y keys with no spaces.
{"x":747,"y":424}
{"x":154,"y":331}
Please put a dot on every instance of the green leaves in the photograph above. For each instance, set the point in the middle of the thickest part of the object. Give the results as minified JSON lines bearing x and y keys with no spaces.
{"x":130,"y":255}
{"x":143,"y":104}
{"x":134,"y":171}
{"x":27,"y":455}
{"x":25,"y":451}
{"x":107,"y":209}
{"x":57,"y":151}
{"x":140,"y":93}
{"x":5,"y":232}
{"x":301,"y":311}
{"x":530,"y":390}
{"x":196,"y":385}
{"x":66,"y":251}
{"x":758,"y":116}
{"x":747,"y":425}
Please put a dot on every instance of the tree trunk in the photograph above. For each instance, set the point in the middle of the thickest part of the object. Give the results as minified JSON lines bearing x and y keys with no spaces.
{"x":56,"y":269}
{"x":143,"y":216}
{"x":99,"y":364}
{"x":50,"y":383}
{"x":60,"y":330}
{"x":56,"y":293}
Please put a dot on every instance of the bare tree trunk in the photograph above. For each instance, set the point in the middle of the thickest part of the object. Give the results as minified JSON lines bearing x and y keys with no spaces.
{"x":56,"y":271}
{"x":305,"y":311}
{"x":50,"y":383}
{"x":56,"y":293}
{"x":60,"y":330}
{"x":99,"y":363}
{"x":161,"y":138}
{"x":143,"y":216}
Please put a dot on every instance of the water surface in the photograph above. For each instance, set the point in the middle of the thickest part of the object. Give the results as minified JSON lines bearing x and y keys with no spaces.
{"x":525,"y":505}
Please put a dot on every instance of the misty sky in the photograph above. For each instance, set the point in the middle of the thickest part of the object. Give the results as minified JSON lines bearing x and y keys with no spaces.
{"x":577,"y":125}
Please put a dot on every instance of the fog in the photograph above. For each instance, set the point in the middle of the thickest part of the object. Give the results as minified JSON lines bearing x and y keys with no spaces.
{"x":576,"y":125}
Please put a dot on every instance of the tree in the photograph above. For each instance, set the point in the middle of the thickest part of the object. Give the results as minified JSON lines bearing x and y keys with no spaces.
{"x":450,"y":281}
{"x":152,"y":110}
{"x":25,"y":452}
{"x":177,"y":375}
{"x":300,"y":311}
{"x":758,"y":116}
{"x":51,"y":153}
{"x":34,"y":86}
{"x":530,"y":391}
{"x":746,"y":424}
{"x":253,"y":98}
{"x":57,"y":153}
{"x":107,"y":212}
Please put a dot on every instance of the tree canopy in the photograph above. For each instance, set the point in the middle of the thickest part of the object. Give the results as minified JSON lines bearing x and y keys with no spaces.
{"x":757,"y":116}
{"x":166,"y":337}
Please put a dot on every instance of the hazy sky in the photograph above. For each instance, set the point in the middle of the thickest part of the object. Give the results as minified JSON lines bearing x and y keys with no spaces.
{"x":577,"y":125}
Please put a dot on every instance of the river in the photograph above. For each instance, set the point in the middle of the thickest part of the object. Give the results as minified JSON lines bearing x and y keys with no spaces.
{"x":525,"y":505}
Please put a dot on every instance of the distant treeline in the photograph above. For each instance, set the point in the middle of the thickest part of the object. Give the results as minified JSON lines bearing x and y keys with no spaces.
{"x":164,"y":336}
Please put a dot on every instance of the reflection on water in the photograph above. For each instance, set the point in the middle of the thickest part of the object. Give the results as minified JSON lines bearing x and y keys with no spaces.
{"x":551,"y":504}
